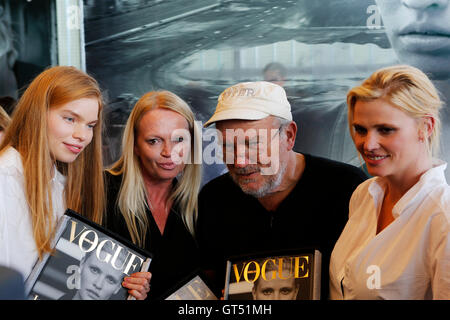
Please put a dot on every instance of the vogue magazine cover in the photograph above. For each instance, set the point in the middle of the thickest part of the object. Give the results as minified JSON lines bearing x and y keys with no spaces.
{"x":294,"y":276}
{"x":88,"y":263}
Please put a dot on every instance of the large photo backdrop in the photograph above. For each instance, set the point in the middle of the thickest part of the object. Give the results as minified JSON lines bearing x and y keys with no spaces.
{"x":27,"y":43}
{"x":317,"y":50}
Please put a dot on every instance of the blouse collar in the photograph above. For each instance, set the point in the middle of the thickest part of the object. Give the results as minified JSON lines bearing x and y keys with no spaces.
{"x":428,"y":180}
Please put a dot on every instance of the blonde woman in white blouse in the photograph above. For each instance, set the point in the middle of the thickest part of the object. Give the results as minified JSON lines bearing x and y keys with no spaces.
{"x":396,"y":243}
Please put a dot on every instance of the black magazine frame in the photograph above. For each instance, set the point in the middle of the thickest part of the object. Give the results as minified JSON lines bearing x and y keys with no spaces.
{"x":128,"y":243}
{"x":69,"y":213}
{"x":274,"y":253}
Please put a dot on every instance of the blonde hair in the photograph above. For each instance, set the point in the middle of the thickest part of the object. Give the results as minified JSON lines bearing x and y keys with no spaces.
{"x":4,"y":119}
{"x":406,"y":88}
{"x":27,"y":133}
{"x":132,"y":194}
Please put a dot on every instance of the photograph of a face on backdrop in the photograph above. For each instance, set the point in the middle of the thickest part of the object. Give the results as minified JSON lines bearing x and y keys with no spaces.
{"x":316,"y":50}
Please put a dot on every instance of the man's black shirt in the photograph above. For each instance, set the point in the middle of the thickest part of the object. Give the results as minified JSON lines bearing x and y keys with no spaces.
{"x":314,"y":214}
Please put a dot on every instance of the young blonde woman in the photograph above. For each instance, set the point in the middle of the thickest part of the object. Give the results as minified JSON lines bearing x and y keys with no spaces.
{"x":50,"y":160}
{"x":396,"y":244}
{"x":153,"y":187}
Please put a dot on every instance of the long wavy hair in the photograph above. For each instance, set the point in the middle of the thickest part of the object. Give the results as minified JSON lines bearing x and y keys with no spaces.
{"x":132,"y":197}
{"x":27,"y":133}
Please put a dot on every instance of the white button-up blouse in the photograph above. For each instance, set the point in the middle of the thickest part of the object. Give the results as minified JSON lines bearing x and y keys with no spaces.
{"x":17,"y":247}
{"x":410,"y":258}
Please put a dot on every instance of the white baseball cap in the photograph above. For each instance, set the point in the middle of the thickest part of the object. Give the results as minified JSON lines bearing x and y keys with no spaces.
{"x":252,"y":101}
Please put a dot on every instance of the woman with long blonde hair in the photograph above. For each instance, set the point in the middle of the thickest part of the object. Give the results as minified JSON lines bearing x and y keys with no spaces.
{"x":396,"y":244}
{"x":50,"y":160}
{"x":153,"y":187}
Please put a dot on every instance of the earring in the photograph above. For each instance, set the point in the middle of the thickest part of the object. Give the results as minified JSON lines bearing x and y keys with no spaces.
{"x":421,"y":136}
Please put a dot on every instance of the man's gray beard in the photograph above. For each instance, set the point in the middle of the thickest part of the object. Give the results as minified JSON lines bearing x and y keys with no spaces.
{"x":267,"y":188}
